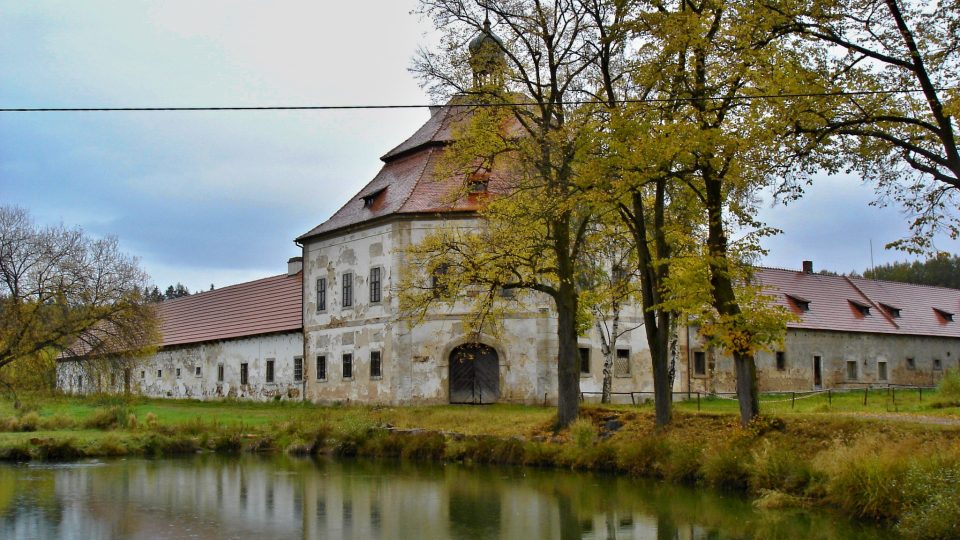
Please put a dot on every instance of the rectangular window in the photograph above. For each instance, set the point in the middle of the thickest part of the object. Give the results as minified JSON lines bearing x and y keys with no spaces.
{"x":851,"y":370}
{"x":270,"y":363}
{"x":178,"y":373}
{"x":80,"y":381}
{"x":347,"y":290}
{"x":322,"y":294}
{"x":937,"y":364}
{"x":143,"y":374}
{"x":882,"y":371}
{"x":347,"y":366}
{"x":374,"y":285}
{"x":584,"y":359}
{"x":297,"y":368}
{"x":243,"y":373}
{"x":699,"y":363}
{"x":781,"y":361}
{"x":911,"y":363}
{"x":196,"y":370}
{"x":159,"y":373}
{"x":321,"y":368}
{"x":219,"y":372}
{"x":621,"y":366}
{"x":375,"y":365}
{"x":439,"y":280}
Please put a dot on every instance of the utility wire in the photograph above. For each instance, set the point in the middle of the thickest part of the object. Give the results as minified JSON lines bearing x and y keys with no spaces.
{"x":513,"y":104}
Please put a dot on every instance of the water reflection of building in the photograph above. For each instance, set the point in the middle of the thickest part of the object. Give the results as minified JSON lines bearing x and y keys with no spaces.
{"x":251,"y":497}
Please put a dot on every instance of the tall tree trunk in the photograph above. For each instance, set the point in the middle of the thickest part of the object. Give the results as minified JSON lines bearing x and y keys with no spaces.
{"x":725,"y":300}
{"x":568,"y":369}
{"x":568,"y":372}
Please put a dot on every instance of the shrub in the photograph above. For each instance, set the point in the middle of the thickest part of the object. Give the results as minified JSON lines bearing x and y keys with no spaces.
{"x":106,"y":418}
{"x":644,"y":457}
{"x":727,"y":466}
{"x":58,"y":449}
{"x":156,"y":444}
{"x":948,"y":389}
{"x":16,"y":452}
{"x":865,"y":478}
{"x":583,"y":433}
{"x":227,"y":443}
{"x":776,"y":468}
{"x":107,"y":446}
{"x":932,"y":490}
{"x":57,"y":422}
{"x":151,"y":420}
{"x":29,"y":421}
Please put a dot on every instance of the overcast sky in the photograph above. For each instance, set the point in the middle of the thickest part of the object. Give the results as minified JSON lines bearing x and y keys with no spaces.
{"x":218,"y":197}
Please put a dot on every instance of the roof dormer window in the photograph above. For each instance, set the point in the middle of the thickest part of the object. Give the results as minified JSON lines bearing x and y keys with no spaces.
{"x":945,"y":315}
{"x":801,"y":303}
{"x":371,"y":198}
{"x":863,"y":309}
{"x":477,"y":182}
{"x":894,"y":312}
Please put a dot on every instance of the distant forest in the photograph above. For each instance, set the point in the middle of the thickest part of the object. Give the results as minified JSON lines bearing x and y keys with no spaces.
{"x":153,"y":294}
{"x":942,"y":271}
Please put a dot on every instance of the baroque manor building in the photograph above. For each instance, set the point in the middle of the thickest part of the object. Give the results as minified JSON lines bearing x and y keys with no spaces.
{"x":329,"y":330}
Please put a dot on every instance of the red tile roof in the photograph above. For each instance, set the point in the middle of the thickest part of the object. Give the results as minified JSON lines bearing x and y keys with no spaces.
{"x":833,"y":302}
{"x":263,"y":306}
{"x":409,"y":182}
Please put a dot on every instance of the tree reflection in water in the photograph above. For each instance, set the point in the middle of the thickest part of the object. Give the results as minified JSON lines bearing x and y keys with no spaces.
{"x":249,"y":496}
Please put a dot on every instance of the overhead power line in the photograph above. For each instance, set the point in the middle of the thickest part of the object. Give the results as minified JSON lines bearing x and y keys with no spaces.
{"x":739,"y":97}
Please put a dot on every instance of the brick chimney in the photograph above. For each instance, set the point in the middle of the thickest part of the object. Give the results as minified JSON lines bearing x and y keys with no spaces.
{"x":807,"y":267}
{"x":294,"y":265}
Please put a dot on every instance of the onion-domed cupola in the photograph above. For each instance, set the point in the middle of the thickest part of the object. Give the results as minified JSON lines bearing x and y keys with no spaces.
{"x":487,"y":58}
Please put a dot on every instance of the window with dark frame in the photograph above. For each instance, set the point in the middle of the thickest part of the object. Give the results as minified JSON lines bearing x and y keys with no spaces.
{"x":781,"y":361}
{"x":852,"y":370}
{"x":159,"y":373}
{"x":376,"y":365}
{"x":244,"y":372}
{"x":911,"y":363}
{"x":322,"y":294}
{"x":196,"y":371}
{"x":219,"y":372}
{"x":621,"y":365}
{"x":178,"y":373}
{"x":439,"y":279}
{"x":374,"y":285}
{"x":298,"y":368}
{"x":347,"y":361}
{"x":347,"y":289}
{"x":584,"y":360}
{"x":270,"y":364}
{"x":699,"y":363}
{"x":143,"y":374}
{"x":321,"y":368}
{"x":937,"y":364}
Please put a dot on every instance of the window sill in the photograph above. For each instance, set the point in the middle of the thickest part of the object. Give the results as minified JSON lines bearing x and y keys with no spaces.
{"x":376,"y":377}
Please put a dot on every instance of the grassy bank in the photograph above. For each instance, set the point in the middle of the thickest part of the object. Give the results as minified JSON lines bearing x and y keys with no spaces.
{"x":902,"y":473}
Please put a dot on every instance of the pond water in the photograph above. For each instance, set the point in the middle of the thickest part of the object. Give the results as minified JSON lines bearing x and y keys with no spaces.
{"x":249,"y":497}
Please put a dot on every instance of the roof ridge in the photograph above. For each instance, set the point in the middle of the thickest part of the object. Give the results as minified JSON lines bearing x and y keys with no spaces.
{"x":224,"y":288}
{"x":444,"y":110}
{"x":906,"y":283}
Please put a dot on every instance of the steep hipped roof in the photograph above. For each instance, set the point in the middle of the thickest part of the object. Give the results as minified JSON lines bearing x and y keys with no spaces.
{"x":836,"y":303}
{"x":409,"y":181}
{"x":263,"y":306}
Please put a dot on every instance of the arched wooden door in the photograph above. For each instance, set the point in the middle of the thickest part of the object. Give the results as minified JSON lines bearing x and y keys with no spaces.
{"x":474,"y":374}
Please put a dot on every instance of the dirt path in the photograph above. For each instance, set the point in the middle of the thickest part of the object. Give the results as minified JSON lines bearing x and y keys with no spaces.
{"x":905,"y":418}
